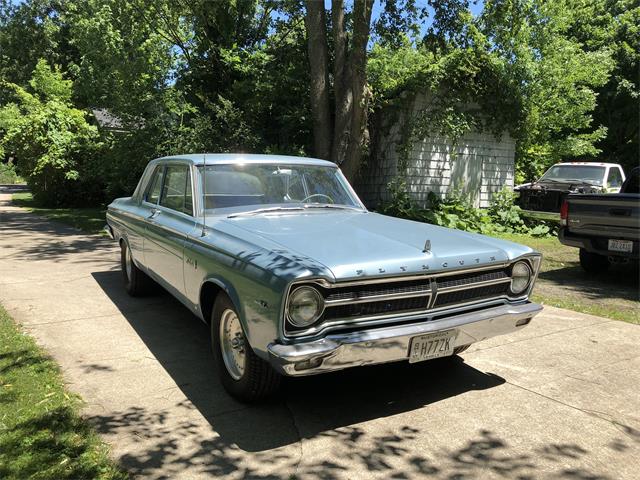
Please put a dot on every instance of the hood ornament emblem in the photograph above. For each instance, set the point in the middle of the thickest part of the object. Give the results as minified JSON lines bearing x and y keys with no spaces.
{"x":427,"y":246}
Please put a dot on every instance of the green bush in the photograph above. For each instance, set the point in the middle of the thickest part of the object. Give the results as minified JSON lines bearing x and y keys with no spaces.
{"x":8,"y":175}
{"x":456,"y":211}
{"x":51,"y":139}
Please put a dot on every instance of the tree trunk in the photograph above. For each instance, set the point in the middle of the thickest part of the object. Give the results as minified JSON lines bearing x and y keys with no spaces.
{"x":341,"y":85}
{"x":358,"y":81}
{"x":315,"y":23}
{"x":343,"y":142}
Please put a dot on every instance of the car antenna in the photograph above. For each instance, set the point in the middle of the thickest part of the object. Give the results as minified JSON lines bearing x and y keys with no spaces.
{"x":204,"y":195}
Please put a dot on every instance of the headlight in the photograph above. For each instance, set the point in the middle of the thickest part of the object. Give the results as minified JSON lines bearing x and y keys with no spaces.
{"x":520,"y":277}
{"x":305,"y":306}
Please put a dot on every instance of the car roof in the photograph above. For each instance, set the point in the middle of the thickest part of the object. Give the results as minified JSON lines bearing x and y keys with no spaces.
{"x":596,"y":164}
{"x":230,"y":158}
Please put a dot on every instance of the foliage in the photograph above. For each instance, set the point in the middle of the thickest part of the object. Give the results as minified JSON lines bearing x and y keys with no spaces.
{"x":615,"y":25}
{"x":456,"y":211}
{"x":41,"y":433}
{"x":51,"y":139}
{"x":560,"y":76}
{"x":557,"y":79}
{"x":8,"y":175}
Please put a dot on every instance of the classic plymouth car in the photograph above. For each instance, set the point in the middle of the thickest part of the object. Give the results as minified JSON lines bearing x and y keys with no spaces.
{"x":295,"y":277}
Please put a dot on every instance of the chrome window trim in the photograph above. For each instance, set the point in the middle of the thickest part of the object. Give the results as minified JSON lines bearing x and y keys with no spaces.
{"x":534,"y":260}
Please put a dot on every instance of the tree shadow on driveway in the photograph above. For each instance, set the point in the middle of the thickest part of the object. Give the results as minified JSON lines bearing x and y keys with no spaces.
{"x":180,"y":342}
{"x":317,"y":427}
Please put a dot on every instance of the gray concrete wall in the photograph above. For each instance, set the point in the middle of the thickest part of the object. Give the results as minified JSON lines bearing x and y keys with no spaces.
{"x":479,"y":164}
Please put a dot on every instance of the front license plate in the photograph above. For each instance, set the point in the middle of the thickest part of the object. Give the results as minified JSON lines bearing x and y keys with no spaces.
{"x":432,"y":345}
{"x":621,"y":246}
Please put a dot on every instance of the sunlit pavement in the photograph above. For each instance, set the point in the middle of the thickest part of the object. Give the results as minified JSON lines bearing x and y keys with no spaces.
{"x":559,"y":399}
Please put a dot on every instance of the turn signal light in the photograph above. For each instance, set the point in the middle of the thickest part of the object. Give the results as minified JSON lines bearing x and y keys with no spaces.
{"x":564,"y":213}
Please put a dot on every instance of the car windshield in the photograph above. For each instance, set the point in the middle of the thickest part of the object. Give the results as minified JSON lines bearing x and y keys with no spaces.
{"x":585,"y":173}
{"x":269,"y":186}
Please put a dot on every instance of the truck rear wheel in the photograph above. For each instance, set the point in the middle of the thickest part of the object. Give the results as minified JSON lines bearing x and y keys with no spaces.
{"x":592,"y":262}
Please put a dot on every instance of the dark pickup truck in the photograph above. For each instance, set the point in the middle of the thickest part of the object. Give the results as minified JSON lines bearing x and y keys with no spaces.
{"x":605,"y":227}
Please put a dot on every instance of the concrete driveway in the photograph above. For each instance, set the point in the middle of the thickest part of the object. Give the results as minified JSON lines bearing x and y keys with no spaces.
{"x":559,"y":399}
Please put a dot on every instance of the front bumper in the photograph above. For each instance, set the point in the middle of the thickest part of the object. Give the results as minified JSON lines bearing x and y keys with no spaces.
{"x":391,"y":344}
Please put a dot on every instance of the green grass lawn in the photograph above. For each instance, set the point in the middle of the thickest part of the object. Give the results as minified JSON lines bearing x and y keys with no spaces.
{"x":562,"y":282}
{"x":90,"y":220}
{"x":41,"y":433}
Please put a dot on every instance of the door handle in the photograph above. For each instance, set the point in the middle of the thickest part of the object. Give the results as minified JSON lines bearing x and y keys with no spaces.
{"x":154,"y":213}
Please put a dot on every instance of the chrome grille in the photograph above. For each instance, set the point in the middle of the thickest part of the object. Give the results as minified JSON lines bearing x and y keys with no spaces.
{"x":470,"y":278}
{"x":382,"y":299}
{"x":401,"y":305}
{"x":470,"y":294}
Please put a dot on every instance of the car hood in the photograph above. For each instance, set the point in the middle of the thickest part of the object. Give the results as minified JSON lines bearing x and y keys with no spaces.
{"x":363,"y":244}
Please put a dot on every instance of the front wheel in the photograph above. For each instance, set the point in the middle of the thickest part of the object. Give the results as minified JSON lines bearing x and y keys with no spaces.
{"x":592,"y":262}
{"x":244,"y":375}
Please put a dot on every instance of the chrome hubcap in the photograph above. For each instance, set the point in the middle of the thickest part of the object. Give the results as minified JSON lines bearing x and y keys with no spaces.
{"x":232,"y":344}
{"x":128,"y":263}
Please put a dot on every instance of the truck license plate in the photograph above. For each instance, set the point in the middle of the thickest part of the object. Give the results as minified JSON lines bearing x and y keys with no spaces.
{"x":620,"y":246}
{"x":432,"y":345}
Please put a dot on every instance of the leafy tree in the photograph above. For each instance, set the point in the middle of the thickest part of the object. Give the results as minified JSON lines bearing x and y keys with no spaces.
{"x":615,"y":25}
{"x":556,"y":76}
{"x":50,"y":139}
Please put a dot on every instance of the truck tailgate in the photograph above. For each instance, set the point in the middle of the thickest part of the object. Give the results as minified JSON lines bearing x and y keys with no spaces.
{"x":607,"y":215}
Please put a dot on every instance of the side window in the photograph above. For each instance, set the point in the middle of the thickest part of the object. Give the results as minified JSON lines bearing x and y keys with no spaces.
{"x":615,"y":178}
{"x":176,"y":192}
{"x":153,"y":192}
{"x":188,"y":196}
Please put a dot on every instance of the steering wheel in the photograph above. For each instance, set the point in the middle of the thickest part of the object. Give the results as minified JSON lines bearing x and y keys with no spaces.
{"x":304,"y":200}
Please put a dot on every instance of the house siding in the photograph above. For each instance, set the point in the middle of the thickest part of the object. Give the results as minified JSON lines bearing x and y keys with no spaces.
{"x":478,"y":164}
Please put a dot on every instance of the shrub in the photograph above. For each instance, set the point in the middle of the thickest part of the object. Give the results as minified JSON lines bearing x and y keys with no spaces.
{"x":8,"y":175}
{"x":51,"y":139}
{"x":456,"y":211}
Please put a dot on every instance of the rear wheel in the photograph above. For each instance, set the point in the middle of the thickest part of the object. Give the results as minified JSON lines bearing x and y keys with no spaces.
{"x":136,"y":282}
{"x":243,"y":374}
{"x":592,"y":262}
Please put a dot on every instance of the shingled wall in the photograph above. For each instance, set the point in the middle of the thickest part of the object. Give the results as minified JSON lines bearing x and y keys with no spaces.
{"x":479,"y":164}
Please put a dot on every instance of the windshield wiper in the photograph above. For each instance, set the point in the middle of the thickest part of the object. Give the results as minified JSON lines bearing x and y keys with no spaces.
{"x":290,"y":209}
{"x":329,"y":205}
{"x":264,"y":210}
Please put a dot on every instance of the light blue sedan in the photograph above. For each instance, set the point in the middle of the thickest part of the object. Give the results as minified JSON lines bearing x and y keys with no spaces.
{"x":295,"y":277}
